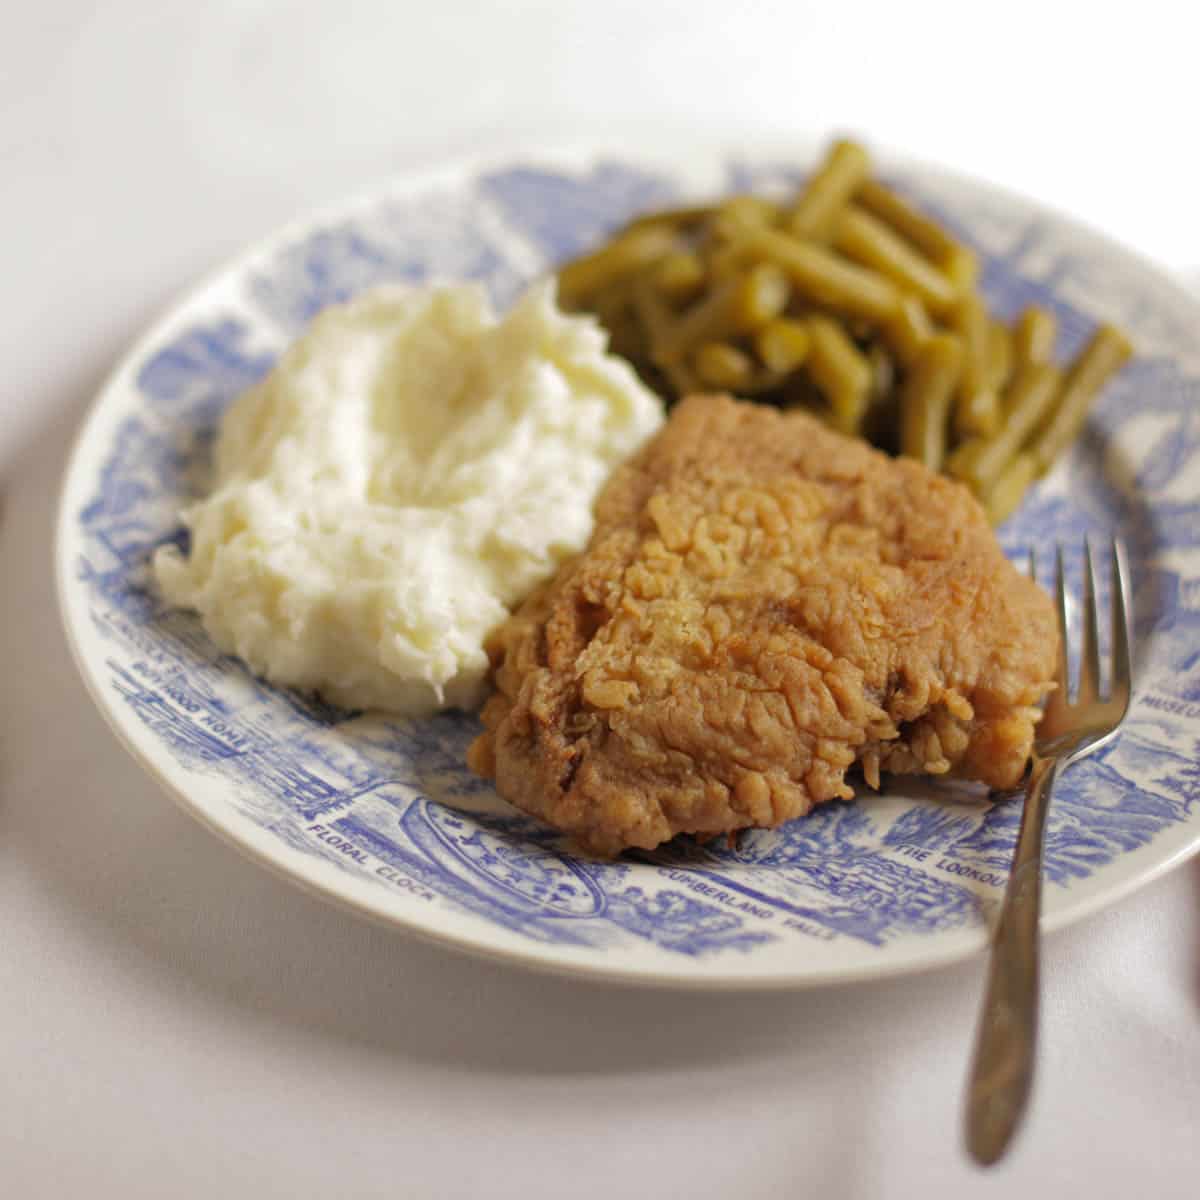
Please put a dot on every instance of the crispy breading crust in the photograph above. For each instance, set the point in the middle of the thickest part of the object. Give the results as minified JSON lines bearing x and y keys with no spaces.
{"x":763,"y":604}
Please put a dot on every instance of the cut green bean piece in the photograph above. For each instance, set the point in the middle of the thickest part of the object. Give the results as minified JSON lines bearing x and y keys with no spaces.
{"x":727,"y":262}
{"x":908,"y":329}
{"x":867,"y":240}
{"x":680,"y":276}
{"x":707,"y":318}
{"x":977,"y":407}
{"x":720,"y":365}
{"x":977,"y":413}
{"x":739,"y":213}
{"x":961,"y":266}
{"x":1103,"y":356}
{"x":962,"y":461}
{"x":956,"y":260}
{"x":1029,"y":399}
{"x":841,"y":371}
{"x":652,"y":311}
{"x":673,"y":219}
{"x":925,"y":399}
{"x":1034,"y":336}
{"x":1002,"y":498}
{"x":626,"y":334}
{"x":619,"y":259}
{"x":782,"y":344}
{"x":999,"y":356}
{"x":825,"y":278}
{"x":656,"y":321}
{"x":830,"y":187}
{"x":761,"y":295}
{"x":681,"y":379}
{"x":742,"y":305}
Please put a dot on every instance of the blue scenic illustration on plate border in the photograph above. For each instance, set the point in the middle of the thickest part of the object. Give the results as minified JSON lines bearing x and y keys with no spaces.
{"x":393,"y":800}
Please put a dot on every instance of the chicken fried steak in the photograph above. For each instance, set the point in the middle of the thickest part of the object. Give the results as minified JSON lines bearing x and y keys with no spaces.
{"x":764,"y":603}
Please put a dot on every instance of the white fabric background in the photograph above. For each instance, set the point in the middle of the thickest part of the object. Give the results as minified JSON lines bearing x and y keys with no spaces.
{"x":174,"y":1021}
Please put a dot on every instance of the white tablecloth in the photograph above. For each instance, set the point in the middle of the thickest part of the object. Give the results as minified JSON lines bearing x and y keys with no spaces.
{"x":176,"y":1022}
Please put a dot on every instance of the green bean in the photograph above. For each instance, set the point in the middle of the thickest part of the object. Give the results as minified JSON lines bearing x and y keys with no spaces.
{"x":855,"y":304}
{"x":925,"y":399}
{"x":1029,"y":399}
{"x":706,"y":317}
{"x":1034,"y":336}
{"x":612,"y":308}
{"x":617,"y":260}
{"x":739,"y":306}
{"x":681,"y":379}
{"x":760,"y":296}
{"x":656,"y":319}
{"x":828,"y":189}
{"x":976,"y":412}
{"x":727,"y":260}
{"x":956,"y":260}
{"x":720,"y":365}
{"x":680,"y":276}
{"x":1104,"y":355}
{"x":610,"y":301}
{"x":841,"y":372}
{"x":782,"y":344}
{"x":677,"y":220}
{"x":977,"y":407}
{"x":962,"y":460}
{"x":652,"y":310}
{"x":739,"y":213}
{"x":867,"y":240}
{"x":823,"y":277}
{"x":1002,"y":498}
{"x":999,"y":356}
{"x":961,"y":266}
{"x":907,"y":329}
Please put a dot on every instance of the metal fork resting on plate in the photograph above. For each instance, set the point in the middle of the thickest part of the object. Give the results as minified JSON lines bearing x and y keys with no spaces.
{"x":1002,"y":1070}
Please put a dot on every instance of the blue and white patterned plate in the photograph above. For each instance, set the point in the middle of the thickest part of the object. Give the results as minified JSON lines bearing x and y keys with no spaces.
{"x":383,"y":816}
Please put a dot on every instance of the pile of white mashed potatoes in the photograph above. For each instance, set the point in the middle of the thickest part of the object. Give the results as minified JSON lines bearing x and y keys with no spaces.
{"x":409,"y":471}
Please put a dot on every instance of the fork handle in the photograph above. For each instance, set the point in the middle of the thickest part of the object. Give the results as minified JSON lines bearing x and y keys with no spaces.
{"x":1002,"y":1069}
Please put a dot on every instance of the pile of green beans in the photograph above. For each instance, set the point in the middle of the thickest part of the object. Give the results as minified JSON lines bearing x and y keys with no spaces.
{"x":850,"y":302}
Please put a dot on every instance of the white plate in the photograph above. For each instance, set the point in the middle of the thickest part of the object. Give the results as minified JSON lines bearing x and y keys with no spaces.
{"x":382,"y":815}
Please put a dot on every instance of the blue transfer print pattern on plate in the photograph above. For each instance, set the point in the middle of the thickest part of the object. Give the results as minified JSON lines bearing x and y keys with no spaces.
{"x":391,"y":243}
{"x":561,"y":213}
{"x":392,"y":800}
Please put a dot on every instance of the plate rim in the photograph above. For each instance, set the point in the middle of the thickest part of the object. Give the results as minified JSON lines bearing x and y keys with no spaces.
{"x":326,"y":881}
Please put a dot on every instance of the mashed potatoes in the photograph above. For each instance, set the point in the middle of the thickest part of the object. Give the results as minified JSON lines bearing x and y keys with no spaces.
{"x":411,"y":468}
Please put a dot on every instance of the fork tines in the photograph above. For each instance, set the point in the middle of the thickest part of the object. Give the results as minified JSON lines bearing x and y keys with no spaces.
{"x":1088,"y":689}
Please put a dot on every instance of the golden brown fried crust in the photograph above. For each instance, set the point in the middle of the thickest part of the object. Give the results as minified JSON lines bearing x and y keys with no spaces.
{"x":763,"y":603}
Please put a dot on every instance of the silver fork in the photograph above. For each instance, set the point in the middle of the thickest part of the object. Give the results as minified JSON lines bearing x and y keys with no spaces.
{"x":1002,"y":1069}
